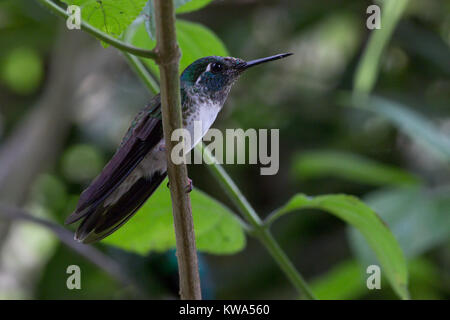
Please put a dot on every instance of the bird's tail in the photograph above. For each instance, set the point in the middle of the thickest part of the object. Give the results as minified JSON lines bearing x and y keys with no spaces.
{"x":106,"y":217}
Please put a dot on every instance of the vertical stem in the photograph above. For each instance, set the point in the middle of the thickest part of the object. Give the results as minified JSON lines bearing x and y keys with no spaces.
{"x":168,"y":61}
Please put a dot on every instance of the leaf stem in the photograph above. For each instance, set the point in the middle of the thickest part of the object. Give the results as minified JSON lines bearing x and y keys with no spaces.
{"x":100,"y":34}
{"x":260,"y":231}
{"x":142,"y":72}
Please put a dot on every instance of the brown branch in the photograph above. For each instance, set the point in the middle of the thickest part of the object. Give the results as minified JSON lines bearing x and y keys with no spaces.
{"x":168,"y":60}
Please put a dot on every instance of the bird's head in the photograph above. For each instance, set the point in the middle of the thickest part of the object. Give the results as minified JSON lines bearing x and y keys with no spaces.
{"x":216,"y":74}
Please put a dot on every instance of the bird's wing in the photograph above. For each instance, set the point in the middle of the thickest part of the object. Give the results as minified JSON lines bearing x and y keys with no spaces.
{"x":107,"y":218}
{"x":144,"y":133}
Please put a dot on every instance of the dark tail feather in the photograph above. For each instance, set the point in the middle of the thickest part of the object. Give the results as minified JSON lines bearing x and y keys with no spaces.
{"x":102,"y":221}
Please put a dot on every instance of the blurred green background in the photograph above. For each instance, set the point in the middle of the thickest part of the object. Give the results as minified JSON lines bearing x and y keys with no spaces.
{"x":66,"y":101}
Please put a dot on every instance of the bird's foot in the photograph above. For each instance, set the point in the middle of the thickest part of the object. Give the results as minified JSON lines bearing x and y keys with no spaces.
{"x":189,"y":187}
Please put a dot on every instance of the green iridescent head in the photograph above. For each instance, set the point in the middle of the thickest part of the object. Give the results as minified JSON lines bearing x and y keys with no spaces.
{"x":216,"y":74}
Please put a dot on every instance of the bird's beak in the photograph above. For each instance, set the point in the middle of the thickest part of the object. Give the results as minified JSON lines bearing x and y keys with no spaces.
{"x":253,"y":63}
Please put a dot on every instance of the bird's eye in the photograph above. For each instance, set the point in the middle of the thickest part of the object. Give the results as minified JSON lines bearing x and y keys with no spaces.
{"x":216,"y":67}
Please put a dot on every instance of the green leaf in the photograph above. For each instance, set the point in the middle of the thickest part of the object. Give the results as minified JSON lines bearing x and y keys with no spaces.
{"x":195,"y":41}
{"x":110,"y":16}
{"x":349,"y":166}
{"x":190,"y":5}
{"x":344,"y":282}
{"x":418,"y":218}
{"x":357,"y":214}
{"x":216,"y":228}
{"x":408,"y":121}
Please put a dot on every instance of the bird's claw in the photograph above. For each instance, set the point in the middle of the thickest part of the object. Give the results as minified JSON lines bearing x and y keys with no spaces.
{"x":189,"y":187}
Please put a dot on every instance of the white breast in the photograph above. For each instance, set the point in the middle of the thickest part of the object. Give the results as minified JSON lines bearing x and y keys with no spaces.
{"x":205,"y":114}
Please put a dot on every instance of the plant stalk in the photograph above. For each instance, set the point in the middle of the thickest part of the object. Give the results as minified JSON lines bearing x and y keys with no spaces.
{"x":168,"y":61}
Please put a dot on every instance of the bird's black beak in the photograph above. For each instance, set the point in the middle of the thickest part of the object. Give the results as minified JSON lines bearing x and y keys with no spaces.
{"x":253,"y":63}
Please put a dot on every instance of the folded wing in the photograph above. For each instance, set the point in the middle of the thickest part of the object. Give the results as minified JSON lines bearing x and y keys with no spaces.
{"x":100,"y":220}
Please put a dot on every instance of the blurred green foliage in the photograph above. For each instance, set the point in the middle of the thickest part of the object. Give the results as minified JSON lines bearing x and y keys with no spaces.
{"x":369,"y":65}
{"x":419,"y":218}
{"x":49,"y":192}
{"x":313,"y":164}
{"x":22,"y":70}
{"x":344,"y":281}
{"x":95,"y":282}
{"x":411,"y":123}
{"x":81,"y":163}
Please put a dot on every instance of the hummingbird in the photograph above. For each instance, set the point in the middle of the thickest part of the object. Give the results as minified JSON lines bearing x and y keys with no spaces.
{"x":139,"y":165}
